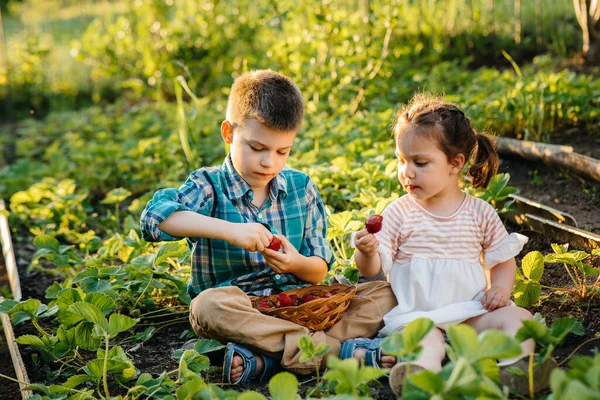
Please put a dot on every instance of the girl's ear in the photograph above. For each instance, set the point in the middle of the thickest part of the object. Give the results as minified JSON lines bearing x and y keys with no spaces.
{"x":227,"y":131}
{"x":457,"y":163}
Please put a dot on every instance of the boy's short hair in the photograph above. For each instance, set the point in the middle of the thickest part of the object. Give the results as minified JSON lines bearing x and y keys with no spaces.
{"x":269,"y":97}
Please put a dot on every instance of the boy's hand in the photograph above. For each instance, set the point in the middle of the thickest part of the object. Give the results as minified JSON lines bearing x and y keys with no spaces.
{"x":366,"y":242}
{"x":250,"y":236}
{"x":495,"y":297}
{"x":283,"y":262}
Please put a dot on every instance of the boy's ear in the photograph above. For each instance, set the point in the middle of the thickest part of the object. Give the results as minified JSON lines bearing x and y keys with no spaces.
{"x":227,"y":131}
{"x":458,"y":163}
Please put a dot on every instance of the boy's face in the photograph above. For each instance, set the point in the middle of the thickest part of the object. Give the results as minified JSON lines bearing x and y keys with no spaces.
{"x":258,"y":153}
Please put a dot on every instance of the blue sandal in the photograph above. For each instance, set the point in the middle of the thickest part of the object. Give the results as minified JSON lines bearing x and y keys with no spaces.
{"x":372,"y":346}
{"x":249,"y":360}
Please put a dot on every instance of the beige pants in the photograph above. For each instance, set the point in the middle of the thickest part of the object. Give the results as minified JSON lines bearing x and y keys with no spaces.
{"x":226,"y":314}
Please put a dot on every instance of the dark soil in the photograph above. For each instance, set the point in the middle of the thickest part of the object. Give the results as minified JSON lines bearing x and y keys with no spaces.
{"x":559,"y":189}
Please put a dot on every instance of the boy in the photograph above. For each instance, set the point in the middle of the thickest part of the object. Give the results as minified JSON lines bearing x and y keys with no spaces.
{"x":229,"y":215}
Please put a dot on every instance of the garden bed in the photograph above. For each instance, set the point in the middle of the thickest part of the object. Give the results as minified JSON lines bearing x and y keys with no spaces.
{"x":555,"y":188}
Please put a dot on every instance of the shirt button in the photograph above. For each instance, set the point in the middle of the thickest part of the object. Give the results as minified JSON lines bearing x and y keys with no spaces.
{"x":277,"y":276}
{"x":259,"y":215}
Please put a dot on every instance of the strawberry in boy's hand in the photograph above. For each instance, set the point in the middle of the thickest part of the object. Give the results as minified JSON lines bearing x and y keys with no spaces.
{"x":275,"y":243}
{"x":373,"y":223}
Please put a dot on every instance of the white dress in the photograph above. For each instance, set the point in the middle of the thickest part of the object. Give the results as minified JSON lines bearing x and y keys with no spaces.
{"x":436,"y":264}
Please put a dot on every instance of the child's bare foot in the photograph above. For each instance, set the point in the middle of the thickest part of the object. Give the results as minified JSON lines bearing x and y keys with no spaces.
{"x":237,"y":367}
{"x":385,"y":362}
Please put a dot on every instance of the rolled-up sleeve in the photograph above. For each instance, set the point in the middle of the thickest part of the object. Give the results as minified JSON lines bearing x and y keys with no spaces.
{"x":194,"y":195}
{"x":314,"y":242}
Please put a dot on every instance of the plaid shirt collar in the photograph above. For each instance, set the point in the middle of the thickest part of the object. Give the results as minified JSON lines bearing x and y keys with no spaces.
{"x":237,"y":187}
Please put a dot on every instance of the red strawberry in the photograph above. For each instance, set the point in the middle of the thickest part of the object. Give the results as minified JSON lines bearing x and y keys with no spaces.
{"x":373,"y":223}
{"x":264,"y":303}
{"x":283,"y":300}
{"x":326,"y":295}
{"x":275,"y":243}
{"x":294,"y":298}
{"x":307,"y":298}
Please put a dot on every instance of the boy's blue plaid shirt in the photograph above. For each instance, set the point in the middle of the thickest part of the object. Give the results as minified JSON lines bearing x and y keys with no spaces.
{"x":293,"y":209}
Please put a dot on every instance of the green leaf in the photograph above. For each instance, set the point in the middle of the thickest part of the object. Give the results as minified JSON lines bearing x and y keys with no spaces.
{"x":118,"y":323}
{"x":170,"y":250}
{"x":46,"y":242}
{"x":463,"y":339}
{"x":284,"y":386}
{"x":143,"y":261}
{"x":322,"y":349}
{"x":191,"y":388}
{"x":306,"y":344}
{"x":533,"y":265}
{"x":66,"y":297}
{"x":77,"y":380}
{"x":84,"y":336}
{"x":563,"y":326}
{"x":28,"y":307}
{"x":30,"y":340}
{"x":526,"y":293}
{"x":145,"y":335}
{"x":532,"y":329}
{"x":560,"y":249}
{"x":415,"y":331}
{"x":204,"y":346}
{"x":89,"y":312}
{"x":463,"y":375}
{"x":428,"y":381}
{"x":116,"y":196}
{"x":497,"y":344}
{"x":7,"y":305}
{"x":95,"y":369}
{"x":191,"y":363}
{"x":102,"y":301}
{"x":251,"y":396}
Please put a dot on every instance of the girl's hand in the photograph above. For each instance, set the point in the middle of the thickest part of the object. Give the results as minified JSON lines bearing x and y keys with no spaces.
{"x":283,"y":262}
{"x":250,"y":236}
{"x":366,"y":242}
{"x":495,"y":297}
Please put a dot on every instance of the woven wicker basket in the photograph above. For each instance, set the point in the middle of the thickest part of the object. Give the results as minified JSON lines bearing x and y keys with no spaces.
{"x":318,"y":314}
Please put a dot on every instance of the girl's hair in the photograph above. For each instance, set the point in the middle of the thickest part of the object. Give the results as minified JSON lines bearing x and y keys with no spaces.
{"x":450,"y":127}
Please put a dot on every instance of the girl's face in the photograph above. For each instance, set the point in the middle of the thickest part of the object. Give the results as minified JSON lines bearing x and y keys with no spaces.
{"x":423,"y":168}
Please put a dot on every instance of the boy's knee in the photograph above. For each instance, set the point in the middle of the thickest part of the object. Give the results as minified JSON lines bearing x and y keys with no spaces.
{"x":207,"y":307}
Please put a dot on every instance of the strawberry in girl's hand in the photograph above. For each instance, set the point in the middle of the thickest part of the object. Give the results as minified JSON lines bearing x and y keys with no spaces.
{"x":373,"y":223}
{"x":283,"y":300}
{"x":275,"y":243}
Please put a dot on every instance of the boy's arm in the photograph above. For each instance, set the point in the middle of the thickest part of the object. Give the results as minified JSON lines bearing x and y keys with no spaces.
{"x":174,"y":214}
{"x":252,"y":236}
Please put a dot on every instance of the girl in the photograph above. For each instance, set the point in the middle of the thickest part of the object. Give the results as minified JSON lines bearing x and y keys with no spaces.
{"x":433,"y":237}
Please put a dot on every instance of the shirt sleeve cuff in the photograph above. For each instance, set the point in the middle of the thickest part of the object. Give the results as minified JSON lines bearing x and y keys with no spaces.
{"x":151,"y":219}
{"x":318,"y":247}
{"x":507,"y":249}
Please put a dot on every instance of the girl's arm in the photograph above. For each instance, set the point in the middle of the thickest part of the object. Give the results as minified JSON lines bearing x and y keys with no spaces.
{"x":502,"y":278}
{"x":366,"y":256}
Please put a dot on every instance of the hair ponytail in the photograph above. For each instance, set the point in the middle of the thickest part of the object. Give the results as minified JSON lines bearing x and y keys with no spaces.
{"x":485,"y":162}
